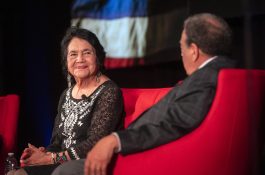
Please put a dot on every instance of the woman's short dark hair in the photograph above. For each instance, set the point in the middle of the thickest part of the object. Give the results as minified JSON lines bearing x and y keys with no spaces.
{"x":209,"y":32}
{"x":90,"y":37}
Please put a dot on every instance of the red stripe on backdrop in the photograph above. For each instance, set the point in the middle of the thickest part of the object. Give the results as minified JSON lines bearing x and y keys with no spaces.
{"x":112,"y":63}
{"x":167,"y":55}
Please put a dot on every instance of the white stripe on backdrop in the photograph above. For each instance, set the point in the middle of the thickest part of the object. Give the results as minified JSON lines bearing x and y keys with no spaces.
{"x":136,"y":37}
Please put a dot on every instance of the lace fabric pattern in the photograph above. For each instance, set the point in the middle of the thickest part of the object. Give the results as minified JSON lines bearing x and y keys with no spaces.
{"x":73,"y":114}
{"x":80,"y":123}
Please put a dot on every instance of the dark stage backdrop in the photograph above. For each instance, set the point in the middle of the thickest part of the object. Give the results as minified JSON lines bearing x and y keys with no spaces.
{"x":30,"y":34}
{"x":30,"y":63}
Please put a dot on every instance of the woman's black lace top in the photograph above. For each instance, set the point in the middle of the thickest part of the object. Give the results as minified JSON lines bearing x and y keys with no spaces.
{"x":80,"y":123}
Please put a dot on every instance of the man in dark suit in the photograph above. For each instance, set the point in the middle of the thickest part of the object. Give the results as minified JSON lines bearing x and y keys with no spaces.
{"x":205,"y":40}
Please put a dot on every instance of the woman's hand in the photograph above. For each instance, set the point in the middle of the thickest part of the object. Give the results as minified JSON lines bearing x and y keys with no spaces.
{"x":28,"y":151}
{"x":35,"y":156}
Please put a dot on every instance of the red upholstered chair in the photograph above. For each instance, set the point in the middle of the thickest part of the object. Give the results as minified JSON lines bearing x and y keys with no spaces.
{"x":9,"y":106}
{"x":226,"y":142}
{"x":137,"y":101}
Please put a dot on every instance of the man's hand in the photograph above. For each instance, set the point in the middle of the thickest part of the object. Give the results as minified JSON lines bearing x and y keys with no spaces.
{"x":99,"y":157}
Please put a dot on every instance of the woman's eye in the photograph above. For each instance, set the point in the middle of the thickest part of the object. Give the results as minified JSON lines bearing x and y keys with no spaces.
{"x":72,"y":55}
{"x":87,"y":53}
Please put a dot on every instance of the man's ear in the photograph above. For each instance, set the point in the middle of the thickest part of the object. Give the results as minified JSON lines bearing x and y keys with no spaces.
{"x":195,"y":52}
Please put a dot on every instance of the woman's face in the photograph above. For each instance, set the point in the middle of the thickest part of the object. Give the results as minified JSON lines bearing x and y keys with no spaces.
{"x":81,"y":59}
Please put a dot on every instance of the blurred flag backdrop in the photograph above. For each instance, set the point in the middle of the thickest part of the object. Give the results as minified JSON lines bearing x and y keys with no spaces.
{"x":133,"y":32}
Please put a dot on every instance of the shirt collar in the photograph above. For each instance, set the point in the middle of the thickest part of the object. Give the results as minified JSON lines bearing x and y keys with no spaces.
{"x":207,"y":61}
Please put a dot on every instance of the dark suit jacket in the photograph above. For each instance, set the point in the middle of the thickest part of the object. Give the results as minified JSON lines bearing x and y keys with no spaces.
{"x":178,"y":113}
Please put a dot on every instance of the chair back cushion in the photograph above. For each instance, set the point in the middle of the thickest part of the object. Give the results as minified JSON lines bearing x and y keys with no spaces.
{"x":136,"y":101}
{"x":9,"y":106}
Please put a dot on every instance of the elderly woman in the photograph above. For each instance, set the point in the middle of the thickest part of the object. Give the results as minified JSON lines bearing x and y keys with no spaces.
{"x":88,"y":110}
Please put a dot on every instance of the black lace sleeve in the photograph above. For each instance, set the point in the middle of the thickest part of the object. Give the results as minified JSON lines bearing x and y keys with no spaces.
{"x":107,"y":116}
{"x":56,"y":141}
